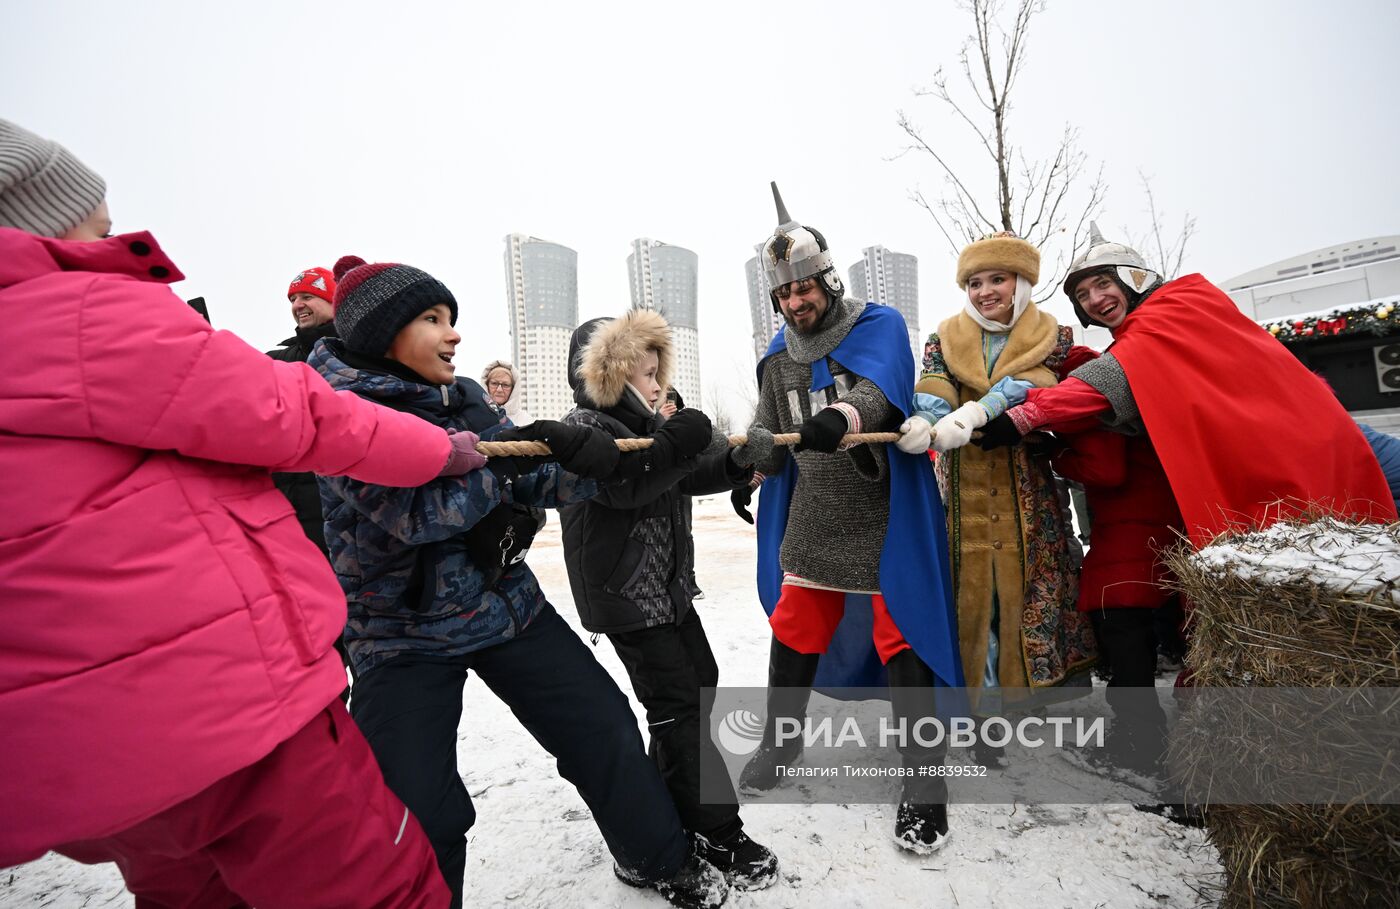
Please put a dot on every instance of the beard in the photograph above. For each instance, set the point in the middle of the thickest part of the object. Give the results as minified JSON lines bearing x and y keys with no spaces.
{"x":820,"y":314}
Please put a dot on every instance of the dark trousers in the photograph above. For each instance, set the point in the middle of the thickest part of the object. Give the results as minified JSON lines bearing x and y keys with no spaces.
{"x":668,"y":665}
{"x":1129,"y":641}
{"x":409,"y":710}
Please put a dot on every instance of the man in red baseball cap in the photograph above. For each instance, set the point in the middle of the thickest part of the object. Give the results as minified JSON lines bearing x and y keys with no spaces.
{"x":311,"y":294}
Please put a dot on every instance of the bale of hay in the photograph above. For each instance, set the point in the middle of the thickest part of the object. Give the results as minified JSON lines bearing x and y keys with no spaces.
{"x":1299,"y":605}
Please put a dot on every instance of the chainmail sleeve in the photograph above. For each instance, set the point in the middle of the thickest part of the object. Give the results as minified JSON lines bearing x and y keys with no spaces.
{"x":767,"y":415}
{"x":877,"y":414}
{"x":1105,"y":375}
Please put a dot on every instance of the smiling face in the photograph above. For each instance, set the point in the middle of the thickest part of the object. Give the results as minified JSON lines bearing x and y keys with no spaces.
{"x":993,"y":292}
{"x":427,"y":345}
{"x":643,"y":378}
{"x":803,"y":303}
{"x":309,"y":310}
{"x":1102,"y":300}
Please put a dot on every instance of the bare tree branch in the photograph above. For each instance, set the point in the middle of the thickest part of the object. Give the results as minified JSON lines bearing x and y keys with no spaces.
{"x":1165,"y":256}
{"x":1034,"y":196}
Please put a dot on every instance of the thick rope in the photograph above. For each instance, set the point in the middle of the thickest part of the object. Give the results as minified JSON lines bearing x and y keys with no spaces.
{"x":508,"y":449}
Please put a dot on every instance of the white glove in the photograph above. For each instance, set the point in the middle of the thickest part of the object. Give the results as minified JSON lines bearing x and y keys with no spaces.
{"x":955,"y":430}
{"x":915,"y":434}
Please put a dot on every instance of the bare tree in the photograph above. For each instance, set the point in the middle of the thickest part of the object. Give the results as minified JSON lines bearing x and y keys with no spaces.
{"x":1165,"y":256}
{"x":1047,"y":201}
{"x":717,"y":412}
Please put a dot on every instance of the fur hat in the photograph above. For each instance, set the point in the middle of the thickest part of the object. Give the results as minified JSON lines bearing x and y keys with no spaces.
{"x":374,"y":302}
{"x":1003,"y":250}
{"x":616,"y":347}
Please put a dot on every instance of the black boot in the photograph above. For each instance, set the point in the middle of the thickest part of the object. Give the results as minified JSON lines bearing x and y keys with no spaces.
{"x":790,"y":676}
{"x":746,"y":865}
{"x":698,"y":885}
{"x":921,"y":820}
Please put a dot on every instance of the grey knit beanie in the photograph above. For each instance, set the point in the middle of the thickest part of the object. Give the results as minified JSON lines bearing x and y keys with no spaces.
{"x":373,"y":302}
{"x":43,"y":189}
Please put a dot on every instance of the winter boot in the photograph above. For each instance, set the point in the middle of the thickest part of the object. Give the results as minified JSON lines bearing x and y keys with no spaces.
{"x":698,"y":885}
{"x":790,"y":676}
{"x":746,"y":864}
{"x":920,"y":827}
{"x":921,"y":820}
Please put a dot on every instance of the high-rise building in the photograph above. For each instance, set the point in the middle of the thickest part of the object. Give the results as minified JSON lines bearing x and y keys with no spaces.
{"x":665,"y":278}
{"x":542,"y":296}
{"x":890,"y":279}
{"x":766,"y":322}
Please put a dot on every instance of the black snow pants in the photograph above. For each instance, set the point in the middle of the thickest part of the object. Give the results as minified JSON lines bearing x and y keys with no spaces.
{"x":1137,"y":737}
{"x":668,"y":665}
{"x":410,"y":707}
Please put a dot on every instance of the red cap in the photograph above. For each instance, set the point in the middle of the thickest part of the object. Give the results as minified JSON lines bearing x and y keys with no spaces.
{"x":318,"y":282}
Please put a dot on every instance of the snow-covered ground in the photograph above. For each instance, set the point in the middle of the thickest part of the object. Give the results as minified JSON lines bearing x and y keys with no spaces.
{"x":534,"y":843}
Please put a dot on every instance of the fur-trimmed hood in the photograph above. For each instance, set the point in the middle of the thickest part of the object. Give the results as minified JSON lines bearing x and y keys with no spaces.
{"x":603,"y":353}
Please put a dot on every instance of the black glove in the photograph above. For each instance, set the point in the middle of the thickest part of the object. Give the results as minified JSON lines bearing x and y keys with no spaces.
{"x":680,"y":438}
{"x":688,"y":430}
{"x":1044,"y":445}
{"x":580,"y":450}
{"x":822,"y":431}
{"x":741,"y":498}
{"x":999,"y":433}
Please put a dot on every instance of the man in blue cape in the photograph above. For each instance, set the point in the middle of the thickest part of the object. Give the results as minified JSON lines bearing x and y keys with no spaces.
{"x":852,"y":558}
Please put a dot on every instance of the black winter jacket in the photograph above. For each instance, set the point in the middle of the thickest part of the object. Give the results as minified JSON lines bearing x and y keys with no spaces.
{"x":628,"y":550}
{"x":300,"y":488}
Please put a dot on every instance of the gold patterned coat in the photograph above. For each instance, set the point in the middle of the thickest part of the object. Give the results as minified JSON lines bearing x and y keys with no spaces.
{"x":1006,"y":527}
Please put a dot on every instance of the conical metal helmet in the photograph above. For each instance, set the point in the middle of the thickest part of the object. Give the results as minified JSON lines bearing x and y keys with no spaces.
{"x":1132,"y":269}
{"x":795,"y":252}
{"x":1126,"y":263}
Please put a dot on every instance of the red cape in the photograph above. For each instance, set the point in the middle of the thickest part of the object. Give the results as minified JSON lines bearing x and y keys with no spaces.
{"x":1247,"y":435}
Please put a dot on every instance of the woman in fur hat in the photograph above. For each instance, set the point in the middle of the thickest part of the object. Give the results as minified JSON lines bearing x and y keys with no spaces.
{"x":1012,"y":572}
{"x":629,"y":553}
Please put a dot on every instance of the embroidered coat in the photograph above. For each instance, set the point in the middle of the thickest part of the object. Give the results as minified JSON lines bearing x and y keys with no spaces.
{"x":1007,"y":534}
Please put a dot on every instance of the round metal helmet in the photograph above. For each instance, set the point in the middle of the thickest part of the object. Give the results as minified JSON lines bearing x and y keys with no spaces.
{"x":1126,"y":263}
{"x":795,"y":252}
{"x":1132,"y":269}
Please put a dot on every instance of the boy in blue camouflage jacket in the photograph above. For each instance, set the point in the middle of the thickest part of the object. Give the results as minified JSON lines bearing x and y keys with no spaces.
{"x":437,"y":586}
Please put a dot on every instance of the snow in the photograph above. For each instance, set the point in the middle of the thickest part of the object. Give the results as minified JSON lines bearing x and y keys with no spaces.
{"x":534,"y":843}
{"x":1356,"y":558}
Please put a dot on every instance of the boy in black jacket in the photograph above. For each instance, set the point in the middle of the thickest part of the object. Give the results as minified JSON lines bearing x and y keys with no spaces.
{"x":629,"y":553}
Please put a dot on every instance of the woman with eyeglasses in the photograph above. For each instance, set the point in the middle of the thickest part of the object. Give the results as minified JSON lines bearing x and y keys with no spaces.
{"x":500,"y":378}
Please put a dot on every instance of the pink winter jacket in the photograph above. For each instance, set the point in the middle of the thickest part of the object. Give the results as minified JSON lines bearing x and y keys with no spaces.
{"x":163,"y":619}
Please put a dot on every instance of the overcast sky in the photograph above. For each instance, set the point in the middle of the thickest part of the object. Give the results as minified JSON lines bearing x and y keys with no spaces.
{"x":254,"y":139}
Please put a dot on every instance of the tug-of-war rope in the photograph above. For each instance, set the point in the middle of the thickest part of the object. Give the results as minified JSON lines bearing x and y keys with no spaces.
{"x":513,"y":449}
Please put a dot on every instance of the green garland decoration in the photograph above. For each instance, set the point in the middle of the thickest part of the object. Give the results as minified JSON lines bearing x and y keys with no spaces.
{"x":1357,"y":320}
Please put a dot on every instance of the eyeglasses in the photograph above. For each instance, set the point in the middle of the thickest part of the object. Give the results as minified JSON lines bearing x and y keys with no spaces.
{"x":506,"y":385}
{"x":806,"y":285}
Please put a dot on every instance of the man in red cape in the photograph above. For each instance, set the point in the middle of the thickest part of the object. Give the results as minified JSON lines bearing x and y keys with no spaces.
{"x":1245,"y":433}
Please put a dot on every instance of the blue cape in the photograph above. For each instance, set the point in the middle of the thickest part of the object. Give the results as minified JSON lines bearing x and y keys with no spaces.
{"x":914,"y":575}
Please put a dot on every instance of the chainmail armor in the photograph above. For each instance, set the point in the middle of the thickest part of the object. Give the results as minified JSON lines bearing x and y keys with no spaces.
{"x":841,"y":506}
{"x":1107,"y":377}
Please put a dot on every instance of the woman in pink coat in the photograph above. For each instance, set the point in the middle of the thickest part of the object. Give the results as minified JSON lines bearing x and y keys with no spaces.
{"x":168,"y":685}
